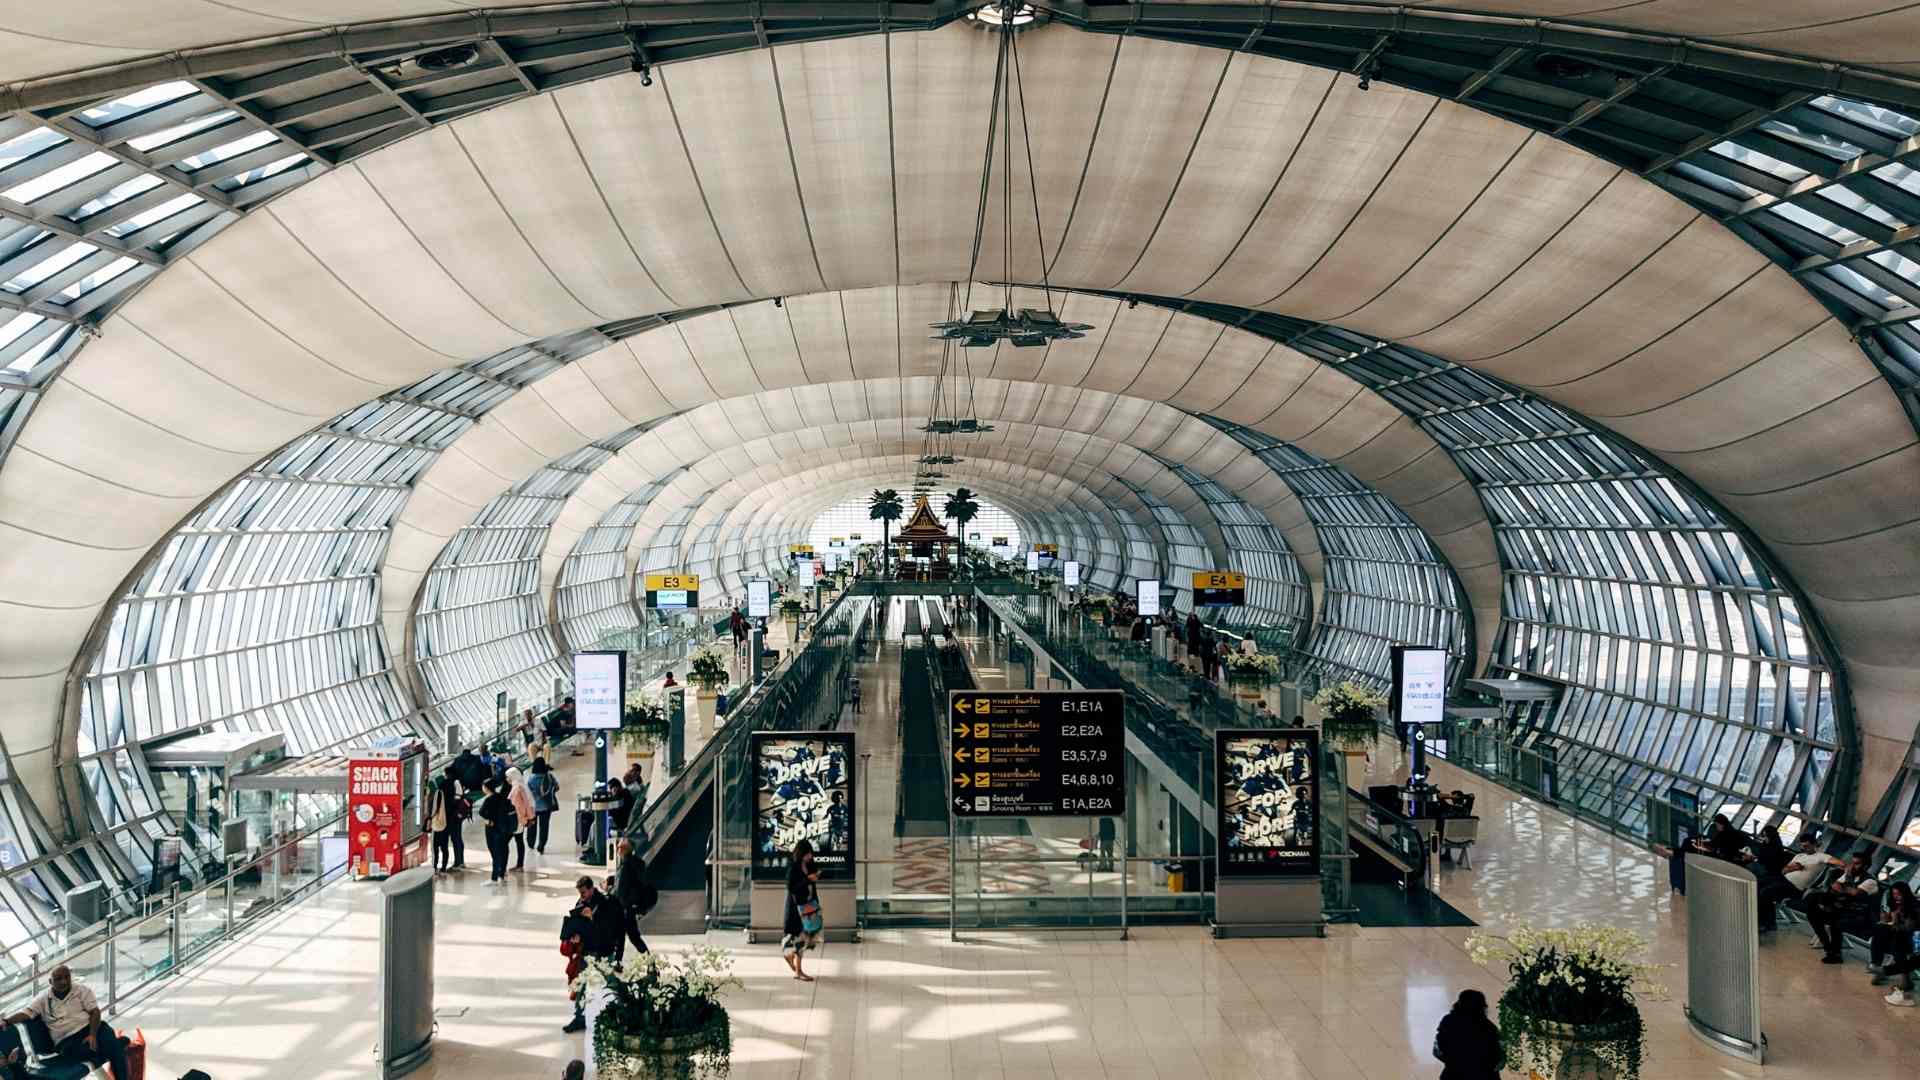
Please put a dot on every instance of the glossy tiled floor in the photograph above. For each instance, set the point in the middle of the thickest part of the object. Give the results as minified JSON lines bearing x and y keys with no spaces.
{"x":296,"y":1001}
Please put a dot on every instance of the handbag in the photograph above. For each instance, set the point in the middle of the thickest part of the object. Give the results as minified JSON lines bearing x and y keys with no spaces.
{"x":810,"y":920}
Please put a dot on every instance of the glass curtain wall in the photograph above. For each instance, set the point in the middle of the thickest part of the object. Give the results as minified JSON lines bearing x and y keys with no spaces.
{"x":1386,"y":583}
{"x":1278,"y":595}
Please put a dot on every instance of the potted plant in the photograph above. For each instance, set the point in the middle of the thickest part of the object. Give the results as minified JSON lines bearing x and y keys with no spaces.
{"x":1570,"y":1009}
{"x":1349,"y":715}
{"x":1246,"y":667}
{"x":708,"y":671}
{"x":642,"y":725}
{"x":662,"y":1016}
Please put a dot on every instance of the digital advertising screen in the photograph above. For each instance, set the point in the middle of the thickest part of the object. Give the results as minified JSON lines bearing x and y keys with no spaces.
{"x":1419,"y":684}
{"x":1033,"y":560}
{"x":599,"y":689}
{"x":759,"y":598}
{"x":1269,"y":802}
{"x":1071,"y":573}
{"x":803,"y":573}
{"x":803,"y":790}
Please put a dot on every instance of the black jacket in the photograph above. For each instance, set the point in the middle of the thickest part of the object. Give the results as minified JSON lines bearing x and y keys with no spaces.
{"x":1470,"y":1047}
{"x":605,"y":928}
{"x":497,"y":811}
{"x":470,"y":769}
{"x":629,"y":879}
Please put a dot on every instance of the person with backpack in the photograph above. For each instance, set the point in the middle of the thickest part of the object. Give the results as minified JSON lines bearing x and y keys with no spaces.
{"x":459,"y":811}
{"x":545,"y":789}
{"x":636,"y":896}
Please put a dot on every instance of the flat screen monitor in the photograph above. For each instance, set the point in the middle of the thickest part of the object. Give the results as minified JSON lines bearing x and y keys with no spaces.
{"x":1147,"y":593}
{"x":1033,"y":560}
{"x":759,"y":598}
{"x":1072,"y":573}
{"x":1419,"y":684}
{"x":599,"y":689}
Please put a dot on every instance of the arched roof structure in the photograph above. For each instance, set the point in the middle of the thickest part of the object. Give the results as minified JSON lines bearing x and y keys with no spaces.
{"x":1682,"y":294}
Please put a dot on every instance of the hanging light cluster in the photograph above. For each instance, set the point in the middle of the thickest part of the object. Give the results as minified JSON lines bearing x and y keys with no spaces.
{"x":948,"y":416}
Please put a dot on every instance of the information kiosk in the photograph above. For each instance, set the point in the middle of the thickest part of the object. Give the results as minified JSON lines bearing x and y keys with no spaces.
{"x":1267,"y":830}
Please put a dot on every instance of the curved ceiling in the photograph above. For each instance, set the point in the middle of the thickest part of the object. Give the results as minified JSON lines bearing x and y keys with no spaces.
{"x":1192,"y":172}
{"x":49,"y":38}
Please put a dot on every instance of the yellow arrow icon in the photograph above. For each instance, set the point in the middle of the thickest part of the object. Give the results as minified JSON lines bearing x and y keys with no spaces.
{"x":961,"y":730}
{"x":962,"y":755}
{"x":963,"y":780}
{"x":964,"y":705}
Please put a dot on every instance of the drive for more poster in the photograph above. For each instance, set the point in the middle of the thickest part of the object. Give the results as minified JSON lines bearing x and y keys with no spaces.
{"x":1269,"y":803}
{"x":803,"y":790}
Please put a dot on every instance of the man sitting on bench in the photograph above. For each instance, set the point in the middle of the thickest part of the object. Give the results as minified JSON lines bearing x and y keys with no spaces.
{"x":1848,"y":905}
{"x":72,"y":1017}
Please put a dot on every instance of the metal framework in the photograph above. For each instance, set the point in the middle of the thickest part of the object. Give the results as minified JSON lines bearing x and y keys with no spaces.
{"x":1278,"y":596}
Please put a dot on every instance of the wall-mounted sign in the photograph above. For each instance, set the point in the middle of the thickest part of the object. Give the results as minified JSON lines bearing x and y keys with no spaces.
{"x":599,"y":689}
{"x":1147,"y":596}
{"x":803,"y":790}
{"x":797,"y":550}
{"x":1038,"y":753}
{"x":853,"y":536}
{"x":833,"y":563}
{"x":1048,"y":551}
{"x":1219,"y":588}
{"x":1071,"y":573}
{"x":759,"y":598}
{"x":673,"y":590}
{"x":836,"y":541}
{"x":1419,"y":685}
{"x":1001,"y":541}
{"x":1268,"y":805}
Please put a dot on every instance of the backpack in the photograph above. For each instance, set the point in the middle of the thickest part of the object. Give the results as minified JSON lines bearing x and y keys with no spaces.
{"x":648,"y":897}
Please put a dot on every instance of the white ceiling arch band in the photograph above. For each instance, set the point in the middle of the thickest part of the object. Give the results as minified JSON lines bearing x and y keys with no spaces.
{"x":1457,"y":231}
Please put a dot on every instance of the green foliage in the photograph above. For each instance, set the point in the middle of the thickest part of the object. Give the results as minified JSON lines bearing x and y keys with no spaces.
{"x":663,"y":1016}
{"x":1571,"y":992}
{"x":885,"y":507}
{"x":1349,"y":713}
{"x":709,"y":671}
{"x":642,"y":725}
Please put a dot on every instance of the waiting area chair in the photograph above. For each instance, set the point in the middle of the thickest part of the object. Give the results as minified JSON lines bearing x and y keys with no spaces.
{"x":1458,"y":839}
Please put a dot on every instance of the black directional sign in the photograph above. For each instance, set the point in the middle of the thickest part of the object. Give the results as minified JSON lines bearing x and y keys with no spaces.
{"x":1038,"y":753}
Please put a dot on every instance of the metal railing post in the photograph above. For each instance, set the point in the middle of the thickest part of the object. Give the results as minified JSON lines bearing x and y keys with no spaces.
{"x":173,"y":922}
{"x":113,"y":967}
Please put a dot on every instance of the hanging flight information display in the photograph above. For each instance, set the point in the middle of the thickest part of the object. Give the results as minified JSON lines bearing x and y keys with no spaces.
{"x":1219,"y":588}
{"x":1268,"y":805}
{"x":1038,"y":753}
{"x":673,"y":590}
{"x":803,"y":790}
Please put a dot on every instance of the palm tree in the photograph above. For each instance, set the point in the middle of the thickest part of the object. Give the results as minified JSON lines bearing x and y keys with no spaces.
{"x":962,"y":508}
{"x":884,"y":506}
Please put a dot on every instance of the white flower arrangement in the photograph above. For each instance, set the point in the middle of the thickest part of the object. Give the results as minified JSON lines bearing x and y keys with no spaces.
{"x":1575,"y":987}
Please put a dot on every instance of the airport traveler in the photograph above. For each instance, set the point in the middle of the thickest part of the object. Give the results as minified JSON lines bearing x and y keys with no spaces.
{"x":470,"y":771}
{"x":459,"y":810}
{"x":540,"y":749}
{"x":668,"y":683}
{"x":1902,"y":975}
{"x":1891,"y":941}
{"x":1770,"y":858}
{"x":1467,"y":1042}
{"x":1726,"y":842}
{"x":1107,"y":836}
{"x":497,"y":811}
{"x":528,"y":729}
{"x":544,"y":786}
{"x":1806,"y":867}
{"x":596,"y":928}
{"x":630,"y":887}
{"x":440,"y":819}
{"x":1845,"y":906}
{"x":71,"y":1014}
{"x":622,"y":804}
{"x":522,"y":800}
{"x":803,"y":923}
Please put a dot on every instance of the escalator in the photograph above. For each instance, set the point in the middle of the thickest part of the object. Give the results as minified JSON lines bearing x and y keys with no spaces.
{"x":921,"y":803}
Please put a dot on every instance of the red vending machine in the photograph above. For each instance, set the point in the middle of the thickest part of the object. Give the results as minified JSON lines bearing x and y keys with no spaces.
{"x":386,"y":808}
